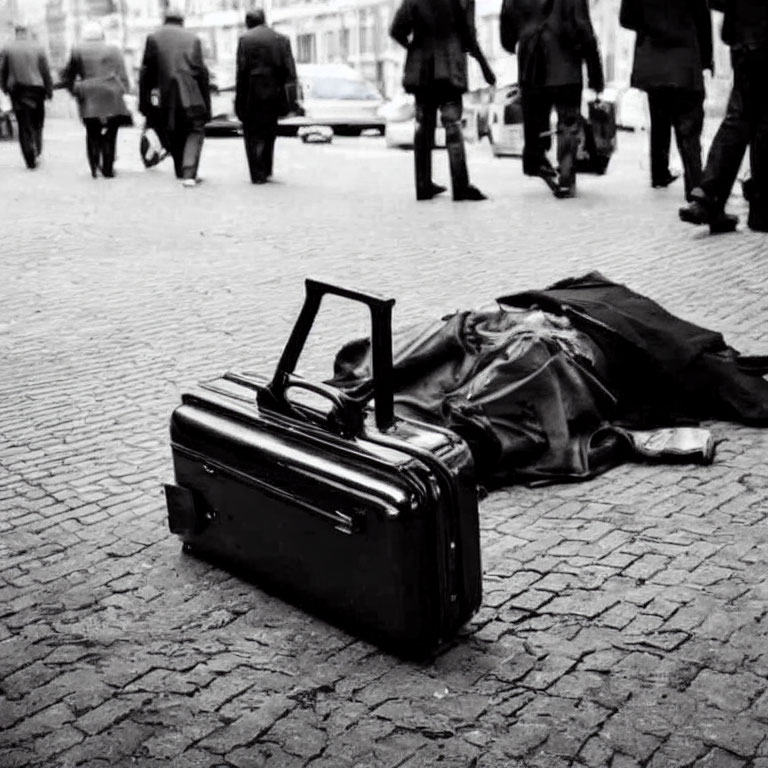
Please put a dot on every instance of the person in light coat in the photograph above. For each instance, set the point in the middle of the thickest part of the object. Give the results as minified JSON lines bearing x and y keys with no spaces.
{"x":95,"y":74}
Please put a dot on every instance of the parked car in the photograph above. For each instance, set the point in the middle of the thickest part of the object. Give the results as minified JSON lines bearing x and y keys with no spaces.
{"x":505,"y":121}
{"x":335,"y":95}
{"x":400,"y":122}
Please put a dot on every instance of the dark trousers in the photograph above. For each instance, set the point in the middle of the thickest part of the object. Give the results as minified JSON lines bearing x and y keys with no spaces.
{"x":100,"y":141}
{"x":260,"y":149}
{"x":538,"y":104}
{"x":448,"y":102}
{"x":29,"y":107}
{"x":745,"y":124}
{"x":185,"y":143}
{"x":682,"y":110}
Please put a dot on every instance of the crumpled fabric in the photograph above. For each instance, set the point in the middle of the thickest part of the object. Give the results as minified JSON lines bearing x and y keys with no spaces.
{"x":562,"y":384}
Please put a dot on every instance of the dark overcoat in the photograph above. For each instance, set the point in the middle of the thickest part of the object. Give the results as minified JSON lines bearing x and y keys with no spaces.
{"x":673,"y":44}
{"x":567,"y":35}
{"x":95,"y":74}
{"x":266,"y":76}
{"x":173,"y":64}
{"x":745,"y":22}
{"x":436,"y":38}
{"x":23,"y":63}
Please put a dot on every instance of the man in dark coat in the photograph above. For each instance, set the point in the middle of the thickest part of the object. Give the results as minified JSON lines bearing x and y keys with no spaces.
{"x":438,"y":34}
{"x":95,"y":74}
{"x":26,"y":77}
{"x":673,"y":47}
{"x":553,"y":39}
{"x":745,"y":30}
{"x":174,"y":75}
{"x":266,"y":87}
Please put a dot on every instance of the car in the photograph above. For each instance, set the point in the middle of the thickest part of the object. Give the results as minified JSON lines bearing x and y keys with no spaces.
{"x":400,"y":122}
{"x":333,"y":95}
{"x":505,"y":121}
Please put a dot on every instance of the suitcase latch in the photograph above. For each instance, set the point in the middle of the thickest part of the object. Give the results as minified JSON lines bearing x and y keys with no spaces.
{"x":347,"y":522}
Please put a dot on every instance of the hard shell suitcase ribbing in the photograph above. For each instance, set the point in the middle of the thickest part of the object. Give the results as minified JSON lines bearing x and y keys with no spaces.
{"x":370,"y":523}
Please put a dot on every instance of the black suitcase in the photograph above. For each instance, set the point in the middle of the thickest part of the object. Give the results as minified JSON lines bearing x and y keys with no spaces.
{"x":598,"y":137}
{"x":371,"y":523}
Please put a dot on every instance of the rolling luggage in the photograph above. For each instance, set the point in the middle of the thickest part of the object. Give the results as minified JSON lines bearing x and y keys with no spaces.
{"x":598,"y":137}
{"x":368,"y":521}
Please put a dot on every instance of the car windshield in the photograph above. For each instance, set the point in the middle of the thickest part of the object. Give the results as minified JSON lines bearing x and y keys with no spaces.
{"x":340,"y":88}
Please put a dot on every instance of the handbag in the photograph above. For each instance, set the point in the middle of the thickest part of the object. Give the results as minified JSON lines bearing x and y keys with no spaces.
{"x":151,"y":148}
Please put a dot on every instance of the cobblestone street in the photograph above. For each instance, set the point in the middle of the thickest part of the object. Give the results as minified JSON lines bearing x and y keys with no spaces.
{"x":624,"y":620}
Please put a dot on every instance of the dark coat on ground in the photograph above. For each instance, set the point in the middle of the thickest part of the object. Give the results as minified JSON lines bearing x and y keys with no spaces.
{"x":745,"y":22}
{"x":438,"y":34}
{"x":567,"y":37}
{"x":96,"y":75}
{"x":266,"y":76}
{"x":24,"y":63}
{"x":673,"y":44}
{"x":173,"y":64}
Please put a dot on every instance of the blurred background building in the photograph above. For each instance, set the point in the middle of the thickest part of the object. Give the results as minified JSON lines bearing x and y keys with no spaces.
{"x":353,"y":32}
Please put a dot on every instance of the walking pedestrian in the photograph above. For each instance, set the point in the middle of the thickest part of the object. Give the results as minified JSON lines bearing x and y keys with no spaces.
{"x":672,"y":49}
{"x":95,"y":74}
{"x":174,"y":93}
{"x":26,"y":77}
{"x":438,"y":35}
{"x":553,"y":40}
{"x":265,"y":90}
{"x":745,"y":31}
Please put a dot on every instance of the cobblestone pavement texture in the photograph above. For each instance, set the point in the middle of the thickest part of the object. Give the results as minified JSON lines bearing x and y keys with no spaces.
{"x":624,"y":620}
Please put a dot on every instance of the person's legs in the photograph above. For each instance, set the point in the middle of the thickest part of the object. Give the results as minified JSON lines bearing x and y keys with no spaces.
{"x":38,"y":121}
{"x":536,"y":104}
{"x":660,"y":106}
{"x":568,"y":105}
{"x":688,"y":118}
{"x":108,"y":144}
{"x":450,"y":117}
{"x":423,"y":141}
{"x":270,"y":134}
{"x":193,"y":147}
{"x":731,"y":140}
{"x":25,"y":124}
{"x":250,"y":141}
{"x":93,"y":143}
{"x":758,"y":203}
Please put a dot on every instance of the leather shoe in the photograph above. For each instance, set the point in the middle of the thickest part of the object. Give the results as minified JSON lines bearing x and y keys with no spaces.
{"x":665,"y":181}
{"x":563,"y":191}
{"x":469,"y":193}
{"x":699,"y":213}
{"x":431,"y":191}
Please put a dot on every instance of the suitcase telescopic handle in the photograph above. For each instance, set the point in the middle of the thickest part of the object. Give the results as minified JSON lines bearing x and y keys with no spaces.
{"x":381,"y":347}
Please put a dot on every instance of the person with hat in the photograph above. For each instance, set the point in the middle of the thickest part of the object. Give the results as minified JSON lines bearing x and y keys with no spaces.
{"x":96,"y":76}
{"x":174,"y":93}
{"x":26,"y":77}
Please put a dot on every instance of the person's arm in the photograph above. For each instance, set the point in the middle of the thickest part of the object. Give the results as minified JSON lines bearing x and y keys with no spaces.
{"x":3,"y":71}
{"x":510,"y":33}
{"x":147,"y":76}
{"x":120,"y":70}
{"x":68,"y":75}
{"x":472,"y":44}
{"x":703,"y":21}
{"x":595,"y":77}
{"x":631,"y":15}
{"x":45,"y":71}
{"x":202,"y":75}
{"x":401,"y":28}
{"x":241,"y":81}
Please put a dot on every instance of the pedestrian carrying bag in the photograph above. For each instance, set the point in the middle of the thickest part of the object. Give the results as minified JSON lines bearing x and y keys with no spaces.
{"x":598,"y":137}
{"x":366,"y":519}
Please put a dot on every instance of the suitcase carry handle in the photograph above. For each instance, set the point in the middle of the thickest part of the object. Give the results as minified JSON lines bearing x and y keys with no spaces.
{"x":347,"y":410}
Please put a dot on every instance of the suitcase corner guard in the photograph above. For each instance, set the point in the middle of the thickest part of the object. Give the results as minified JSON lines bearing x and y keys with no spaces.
{"x":186,"y":515}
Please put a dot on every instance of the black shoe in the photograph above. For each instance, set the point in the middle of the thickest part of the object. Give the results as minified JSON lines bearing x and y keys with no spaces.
{"x":665,"y":181}
{"x":563,"y":191}
{"x":431,"y":191}
{"x":723,"y":223}
{"x":694,"y":213}
{"x":469,"y":193}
